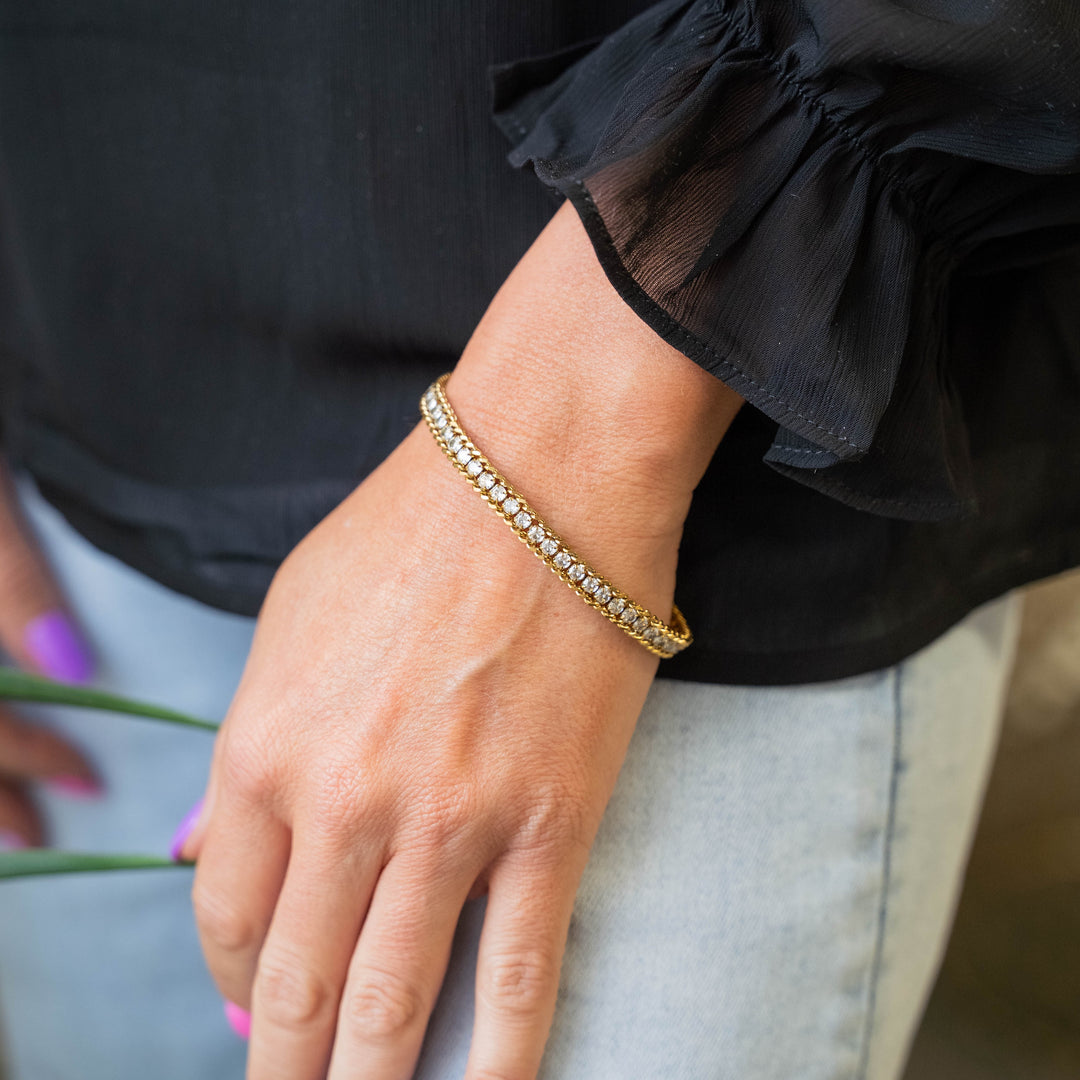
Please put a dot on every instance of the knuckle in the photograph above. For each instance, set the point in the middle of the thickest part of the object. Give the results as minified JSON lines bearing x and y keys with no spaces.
{"x":290,"y":995}
{"x":221,"y":921}
{"x":446,"y":822}
{"x":247,"y":768}
{"x":440,"y":822}
{"x":520,"y":984}
{"x":339,"y":802}
{"x":556,"y":820}
{"x":382,"y":1006}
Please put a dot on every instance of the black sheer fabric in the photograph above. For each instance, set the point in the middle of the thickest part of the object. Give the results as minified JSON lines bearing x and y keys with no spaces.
{"x":237,"y":241}
{"x":784,"y":191}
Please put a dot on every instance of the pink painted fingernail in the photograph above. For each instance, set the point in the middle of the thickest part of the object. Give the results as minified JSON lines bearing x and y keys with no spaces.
{"x":239,"y":1019}
{"x":57,"y":648}
{"x":75,"y":787}
{"x":183,"y":831}
{"x":11,"y":841}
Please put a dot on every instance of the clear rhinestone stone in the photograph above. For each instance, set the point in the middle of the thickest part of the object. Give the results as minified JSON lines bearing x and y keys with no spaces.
{"x":431,"y":401}
{"x":485,"y":482}
{"x":441,"y":423}
{"x":474,"y":468}
{"x":628,"y":615}
{"x":577,"y":572}
{"x":511,"y":507}
{"x":536,"y":533}
{"x":651,"y":635}
{"x":497,"y":493}
{"x":616,"y":605}
{"x":549,"y":547}
{"x":523,"y":520}
{"x":640,"y":623}
{"x":563,"y":559}
{"x":590,"y":584}
{"x":603,"y":594}
{"x":455,"y":444}
{"x":464,"y":455}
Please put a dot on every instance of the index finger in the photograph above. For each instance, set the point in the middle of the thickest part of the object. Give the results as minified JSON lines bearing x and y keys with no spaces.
{"x":517,"y":975}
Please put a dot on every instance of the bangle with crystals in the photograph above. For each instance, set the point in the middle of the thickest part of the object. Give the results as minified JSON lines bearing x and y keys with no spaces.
{"x":641,"y":624}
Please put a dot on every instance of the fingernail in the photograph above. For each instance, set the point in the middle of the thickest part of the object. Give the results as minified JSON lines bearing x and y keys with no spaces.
{"x":75,"y":787}
{"x":239,"y":1019}
{"x":183,"y":831}
{"x":58,"y":648}
{"x":11,"y":841}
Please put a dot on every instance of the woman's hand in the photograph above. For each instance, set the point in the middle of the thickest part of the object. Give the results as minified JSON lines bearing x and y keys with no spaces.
{"x":426,"y":708}
{"x":427,"y":713}
{"x":40,"y":637}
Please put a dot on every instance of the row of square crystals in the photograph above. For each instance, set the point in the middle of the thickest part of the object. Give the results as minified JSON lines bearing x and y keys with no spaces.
{"x":438,"y":417}
{"x":591,"y":584}
{"x":538,"y":536}
{"x":600,"y":592}
{"x":484,"y":480}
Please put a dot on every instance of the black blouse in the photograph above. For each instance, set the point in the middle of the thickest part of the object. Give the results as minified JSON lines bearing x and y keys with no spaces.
{"x":238,"y":241}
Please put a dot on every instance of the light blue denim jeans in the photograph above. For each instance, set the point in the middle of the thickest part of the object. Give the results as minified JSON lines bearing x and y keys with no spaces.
{"x":767,"y":899}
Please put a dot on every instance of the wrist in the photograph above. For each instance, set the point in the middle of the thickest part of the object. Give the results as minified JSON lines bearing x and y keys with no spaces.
{"x":561,"y":361}
{"x":640,"y":565}
{"x":605,"y":427}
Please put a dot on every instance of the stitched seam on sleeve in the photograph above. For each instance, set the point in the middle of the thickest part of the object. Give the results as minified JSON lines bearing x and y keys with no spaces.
{"x":693,"y":347}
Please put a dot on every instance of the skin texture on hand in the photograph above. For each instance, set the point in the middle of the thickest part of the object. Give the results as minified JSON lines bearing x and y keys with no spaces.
{"x":428,"y":713}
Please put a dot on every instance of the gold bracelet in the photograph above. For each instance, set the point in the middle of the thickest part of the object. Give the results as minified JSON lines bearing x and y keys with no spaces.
{"x":640,"y":623}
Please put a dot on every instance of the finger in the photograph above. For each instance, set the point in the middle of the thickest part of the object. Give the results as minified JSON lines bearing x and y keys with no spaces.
{"x":517,"y":975}
{"x":398,"y":967}
{"x":32,"y":752}
{"x":20,"y":825}
{"x":187,"y":842}
{"x":304,"y":961}
{"x":246,"y":770}
{"x":35,"y":629}
{"x":241,"y":865}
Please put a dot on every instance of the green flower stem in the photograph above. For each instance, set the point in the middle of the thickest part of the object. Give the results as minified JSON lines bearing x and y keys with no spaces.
{"x":36,"y":861}
{"x":20,"y":686}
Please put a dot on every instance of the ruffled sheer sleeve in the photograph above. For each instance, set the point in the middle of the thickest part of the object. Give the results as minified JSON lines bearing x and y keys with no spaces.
{"x":785,"y":190}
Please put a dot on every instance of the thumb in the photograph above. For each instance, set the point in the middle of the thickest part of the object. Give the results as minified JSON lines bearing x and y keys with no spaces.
{"x":35,"y":628}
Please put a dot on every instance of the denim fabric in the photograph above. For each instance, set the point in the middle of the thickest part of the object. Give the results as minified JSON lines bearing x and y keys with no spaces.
{"x":767,"y":898}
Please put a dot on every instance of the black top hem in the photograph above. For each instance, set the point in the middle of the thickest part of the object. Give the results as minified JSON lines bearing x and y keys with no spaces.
{"x":696,"y":664}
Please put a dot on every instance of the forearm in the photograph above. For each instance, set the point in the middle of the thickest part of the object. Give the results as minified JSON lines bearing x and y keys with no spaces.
{"x":604,"y":426}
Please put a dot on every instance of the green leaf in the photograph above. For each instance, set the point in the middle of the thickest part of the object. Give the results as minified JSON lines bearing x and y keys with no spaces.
{"x":21,"y":686}
{"x":35,"y":861}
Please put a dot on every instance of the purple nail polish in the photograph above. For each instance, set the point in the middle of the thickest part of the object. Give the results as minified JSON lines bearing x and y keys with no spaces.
{"x":11,"y":841}
{"x":75,"y":787}
{"x":239,"y":1020}
{"x":183,"y":831}
{"x":57,"y":648}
